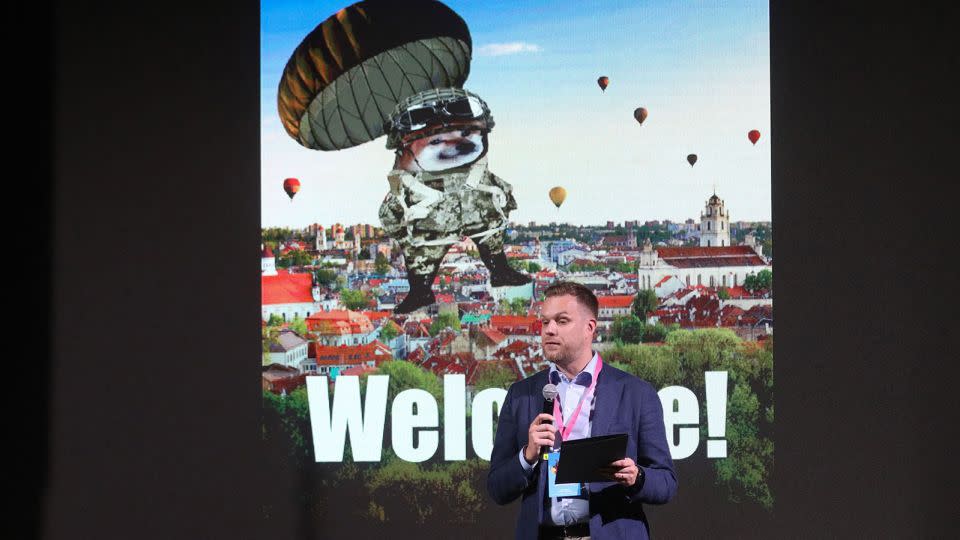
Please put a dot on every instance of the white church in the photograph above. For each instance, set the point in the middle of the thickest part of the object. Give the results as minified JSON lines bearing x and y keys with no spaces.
{"x":715,"y":263}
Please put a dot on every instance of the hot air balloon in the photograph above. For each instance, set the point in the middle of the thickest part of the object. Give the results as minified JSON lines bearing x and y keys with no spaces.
{"x":291,"y":186}
{"x":557,"y":195}
{"x":640,"y":114}
{"x":603,"y":82}
{"x":754,"y":136}
{"x":344,"y":79}
{"x":691,"y":159}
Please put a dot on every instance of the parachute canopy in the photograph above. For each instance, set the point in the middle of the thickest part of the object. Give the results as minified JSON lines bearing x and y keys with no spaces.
{"x":754,"y":136}
{"x":291,"y":186}
{"x":557,"y":195}
{"x":640,"y":115}
{"x":603,"y":82}
{"x":347,"y":75}
{"x":691,"y":159}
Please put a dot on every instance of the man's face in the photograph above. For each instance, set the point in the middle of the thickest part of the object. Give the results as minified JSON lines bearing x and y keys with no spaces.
{"x":567,"y":331}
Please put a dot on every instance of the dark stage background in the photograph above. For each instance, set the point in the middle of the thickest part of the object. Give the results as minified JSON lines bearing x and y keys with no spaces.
{"x":154,"y":215}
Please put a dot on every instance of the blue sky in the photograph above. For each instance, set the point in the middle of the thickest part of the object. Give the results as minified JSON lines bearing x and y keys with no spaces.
{"x":701,"y":69}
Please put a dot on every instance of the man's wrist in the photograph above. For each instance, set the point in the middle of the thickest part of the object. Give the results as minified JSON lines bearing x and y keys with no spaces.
{"x":528,"y":460}
{"x":638,"y":482}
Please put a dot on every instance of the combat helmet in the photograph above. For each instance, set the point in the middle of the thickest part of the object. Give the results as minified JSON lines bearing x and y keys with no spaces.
{"x":436,"y":108}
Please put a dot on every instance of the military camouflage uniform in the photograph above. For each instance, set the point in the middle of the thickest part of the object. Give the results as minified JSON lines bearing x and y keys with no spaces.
{"x":428,"y":212}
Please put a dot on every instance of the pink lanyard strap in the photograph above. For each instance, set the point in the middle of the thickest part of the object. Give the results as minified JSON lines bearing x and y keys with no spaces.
{"x":568,"y":427}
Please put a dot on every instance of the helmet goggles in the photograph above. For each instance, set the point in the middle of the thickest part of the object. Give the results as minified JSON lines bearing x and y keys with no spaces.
{"x":460,"y":108}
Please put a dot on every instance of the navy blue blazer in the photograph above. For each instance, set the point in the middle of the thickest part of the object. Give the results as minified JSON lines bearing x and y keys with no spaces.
{"x":624,"y":404}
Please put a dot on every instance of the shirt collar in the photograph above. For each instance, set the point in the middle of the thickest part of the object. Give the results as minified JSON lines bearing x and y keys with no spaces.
{"x":556,"y":377}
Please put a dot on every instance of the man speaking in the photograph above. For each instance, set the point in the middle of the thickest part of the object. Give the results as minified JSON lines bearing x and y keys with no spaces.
{"x":592,"y":399}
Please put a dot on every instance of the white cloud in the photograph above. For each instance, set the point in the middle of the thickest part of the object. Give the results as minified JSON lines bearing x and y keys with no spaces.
{"x":500,"y":49}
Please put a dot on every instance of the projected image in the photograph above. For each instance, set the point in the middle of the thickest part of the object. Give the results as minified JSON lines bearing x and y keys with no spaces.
{"x":429,"y":168}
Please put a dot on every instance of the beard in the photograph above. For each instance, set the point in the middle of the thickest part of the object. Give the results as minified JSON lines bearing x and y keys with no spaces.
{"x":561,"y":355}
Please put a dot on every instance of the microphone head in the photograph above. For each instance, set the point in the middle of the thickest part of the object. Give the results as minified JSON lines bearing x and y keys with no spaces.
{"x":550,"y":392}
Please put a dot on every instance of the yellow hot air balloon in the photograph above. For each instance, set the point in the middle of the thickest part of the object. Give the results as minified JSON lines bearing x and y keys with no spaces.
{"x":557,"y":195}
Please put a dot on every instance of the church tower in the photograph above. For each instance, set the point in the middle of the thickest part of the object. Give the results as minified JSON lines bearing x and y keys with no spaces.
{"x":321,"y":238}
{"x":268,"y":263}
{"x":714,"y":224}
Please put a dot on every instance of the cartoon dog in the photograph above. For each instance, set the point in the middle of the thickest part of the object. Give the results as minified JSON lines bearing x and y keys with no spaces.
{"x":446,"y":150}
{"x":441,"y":189}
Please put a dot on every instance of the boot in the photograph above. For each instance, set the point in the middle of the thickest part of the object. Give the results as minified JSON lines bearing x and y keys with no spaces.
{"x":501,"y":275}
{"x":420,"y":294}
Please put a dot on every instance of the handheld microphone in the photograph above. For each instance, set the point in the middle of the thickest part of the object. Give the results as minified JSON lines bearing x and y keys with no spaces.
{"x":549,"y":394}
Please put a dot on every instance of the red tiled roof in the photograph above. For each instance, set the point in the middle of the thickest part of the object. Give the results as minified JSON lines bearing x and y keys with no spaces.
{"x":286,"y":289}
{"x":515,"y":347}
{"x":615,"y":301}
{"x":377,"y":315}
{"x":663,"y":280}
{"x":707,"y":257}
{"x":494,"y":335}
{"x":352,"y":354}
{"x":339,"y":322}
{"x":416,"y":356}
{"x":511,"y":320}
{"x":267,"y":252}
{"x":358,"y":370}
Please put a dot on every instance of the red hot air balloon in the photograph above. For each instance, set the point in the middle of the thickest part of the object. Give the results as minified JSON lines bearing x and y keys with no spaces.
{"x":640,"y":115}
{"x":691,"y":159}
{"x":291,"y":186}
{"x":754,"y":136}
{"x":603,"y":82}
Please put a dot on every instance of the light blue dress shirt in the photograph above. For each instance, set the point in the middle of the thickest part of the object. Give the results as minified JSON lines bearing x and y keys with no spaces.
{"x":570,"y":510}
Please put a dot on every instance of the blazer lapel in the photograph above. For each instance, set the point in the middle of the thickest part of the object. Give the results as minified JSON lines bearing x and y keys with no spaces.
{"x":608,"y":392}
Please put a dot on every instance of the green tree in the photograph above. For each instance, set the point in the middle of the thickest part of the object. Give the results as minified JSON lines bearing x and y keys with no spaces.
{"x":493,"y":375}
{"x":381,"y":265}
{"x":765,"y":279}
{"x":655,"y":333}
{"x":518,"y":306}
{"x":762,"y":280}
{"x":299,"y":326}
{"x":294,"y":257}
{"x":533,"y":267}
{"x":354,"y":300}
{"x":324,"y":276}
{"x":657,"y":365}
{"x":723,"y":293}
{"x":275,"y":320}
{"x":405,"y":375}
{"x":627,"y":329}
{"x":388,"y":332}
{"x":442,"y":321}
{"x":646,"y":302}
{"x":409,"y":495}
{"x":289,"y":418}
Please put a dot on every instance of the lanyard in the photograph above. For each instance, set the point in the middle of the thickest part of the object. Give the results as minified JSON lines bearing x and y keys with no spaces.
{"x":568,"y":427}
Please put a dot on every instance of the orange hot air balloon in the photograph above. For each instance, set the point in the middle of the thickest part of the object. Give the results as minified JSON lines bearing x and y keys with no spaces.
{"x":557,"y":195}
{"x":691,"y":159}
{"x":291,"y":186}
{"x":640,"y":114}
{"x":603,"y":82}
{"x":754,"y":136}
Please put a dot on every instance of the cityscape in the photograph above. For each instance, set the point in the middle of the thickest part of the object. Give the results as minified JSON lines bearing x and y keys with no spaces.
{"x":328,"y":294}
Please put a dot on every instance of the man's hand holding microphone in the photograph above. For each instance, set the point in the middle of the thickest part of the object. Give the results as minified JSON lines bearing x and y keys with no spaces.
{"x":541,"y":433}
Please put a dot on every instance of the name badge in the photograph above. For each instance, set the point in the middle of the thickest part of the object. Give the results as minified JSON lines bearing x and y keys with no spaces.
{"x":553,"y":488}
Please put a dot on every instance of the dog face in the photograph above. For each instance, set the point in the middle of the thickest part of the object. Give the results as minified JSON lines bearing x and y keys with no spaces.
{"x":459,"y":146}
